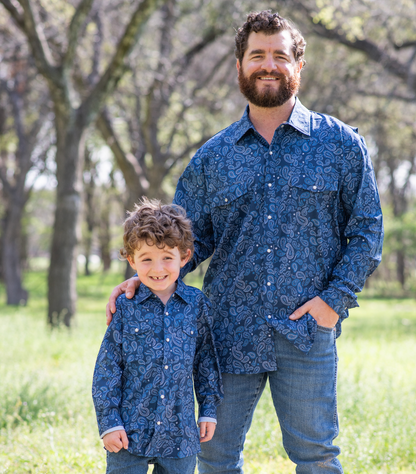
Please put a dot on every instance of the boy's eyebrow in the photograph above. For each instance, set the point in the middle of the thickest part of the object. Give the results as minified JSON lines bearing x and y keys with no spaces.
{"x":170,"y":252}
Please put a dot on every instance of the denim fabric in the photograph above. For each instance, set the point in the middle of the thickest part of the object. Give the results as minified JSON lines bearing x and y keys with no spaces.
{"x":124,"y":462}
{"x":284,"y":222}
{"x":151,"y":358}
{"x":303,"y":390}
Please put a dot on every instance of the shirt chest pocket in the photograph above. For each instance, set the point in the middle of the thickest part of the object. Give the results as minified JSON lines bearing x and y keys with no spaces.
{"x":138,"y":336}
{"x":225,"y":197}
{"x":311,"y":186}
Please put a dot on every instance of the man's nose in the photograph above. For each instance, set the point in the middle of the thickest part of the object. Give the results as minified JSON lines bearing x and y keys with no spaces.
{"x":269,"y":63}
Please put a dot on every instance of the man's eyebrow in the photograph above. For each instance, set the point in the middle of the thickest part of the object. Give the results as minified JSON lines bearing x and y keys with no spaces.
{"x":261,"y":51}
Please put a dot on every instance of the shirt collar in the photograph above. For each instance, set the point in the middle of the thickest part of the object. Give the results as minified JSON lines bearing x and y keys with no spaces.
{"x":300,"y":119}
{"x":144,"y":292}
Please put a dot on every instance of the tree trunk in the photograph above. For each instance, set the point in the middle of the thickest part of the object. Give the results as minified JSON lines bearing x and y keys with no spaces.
{"x":66,"y":230}
{"x":11,"y":260}
{"x":104,"y":235}
{"x":401,"y":268}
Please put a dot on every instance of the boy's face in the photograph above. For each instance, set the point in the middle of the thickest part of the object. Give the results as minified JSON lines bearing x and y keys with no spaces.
{"x":158,"y":268}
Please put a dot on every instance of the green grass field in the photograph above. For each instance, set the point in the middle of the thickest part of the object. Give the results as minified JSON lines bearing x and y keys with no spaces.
{"x":47,"y":422}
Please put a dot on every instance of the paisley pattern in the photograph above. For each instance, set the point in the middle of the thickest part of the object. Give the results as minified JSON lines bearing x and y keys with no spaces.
{"x":284,"y":223}
{"x":151,"y":358}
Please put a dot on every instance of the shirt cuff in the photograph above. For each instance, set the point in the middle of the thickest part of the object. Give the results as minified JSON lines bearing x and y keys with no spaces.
{"x":116,"y":428}
{"x":207,"y":419}
{"x":340,"y":301}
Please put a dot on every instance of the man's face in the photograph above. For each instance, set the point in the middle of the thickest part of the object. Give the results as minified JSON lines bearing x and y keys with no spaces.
{"x":269,"y":74}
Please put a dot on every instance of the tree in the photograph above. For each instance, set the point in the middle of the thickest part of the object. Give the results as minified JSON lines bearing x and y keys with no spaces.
{"x":24,"y":128}
{"x":74,"y":112}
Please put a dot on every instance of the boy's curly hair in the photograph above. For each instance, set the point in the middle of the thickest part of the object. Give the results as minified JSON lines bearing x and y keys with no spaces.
{"x":268,"y":23}
{"x":157,"y":224}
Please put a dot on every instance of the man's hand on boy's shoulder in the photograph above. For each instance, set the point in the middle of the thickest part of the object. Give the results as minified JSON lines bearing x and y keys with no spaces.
{"x":115,"y":441}
{"x":128,"y":287}
{"x":206,"y":431}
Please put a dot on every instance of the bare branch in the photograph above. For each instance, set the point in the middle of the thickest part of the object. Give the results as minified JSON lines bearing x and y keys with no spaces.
{"x":17,"y":17}
{"x":73,"y":33}
{"x":406,"y":44}
{"x":132,"y":171}
{"x":106,"y":85}
{"x":210,"y":36}
{"x":188,"y":149}
{"x":37,"y":41}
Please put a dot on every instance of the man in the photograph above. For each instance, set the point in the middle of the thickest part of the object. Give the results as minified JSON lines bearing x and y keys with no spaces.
{"x":285,"y":201}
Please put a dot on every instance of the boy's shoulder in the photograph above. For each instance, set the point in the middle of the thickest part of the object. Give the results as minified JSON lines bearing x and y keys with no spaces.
{"x":191,"y":291}
{"x":126,"y":305}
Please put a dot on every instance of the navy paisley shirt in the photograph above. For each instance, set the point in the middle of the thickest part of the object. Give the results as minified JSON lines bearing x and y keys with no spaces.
{"x":151,"y":358}
{"x":284,"y":222}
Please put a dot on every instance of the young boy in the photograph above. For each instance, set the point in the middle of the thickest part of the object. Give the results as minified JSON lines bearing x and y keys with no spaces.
{"x":157,"y":347}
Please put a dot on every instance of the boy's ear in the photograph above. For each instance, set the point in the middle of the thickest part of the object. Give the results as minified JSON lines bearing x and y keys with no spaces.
{"x":131,"y":262}
{"x":185,"y":259}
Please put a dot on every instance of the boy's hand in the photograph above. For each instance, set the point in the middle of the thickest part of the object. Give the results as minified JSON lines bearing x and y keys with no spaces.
{"x":129,"y":287}
{"x":206,"y":431}
{"x":115,"y":441}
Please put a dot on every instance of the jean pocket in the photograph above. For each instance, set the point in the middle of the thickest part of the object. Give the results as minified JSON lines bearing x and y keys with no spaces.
{"x":324,"y":328}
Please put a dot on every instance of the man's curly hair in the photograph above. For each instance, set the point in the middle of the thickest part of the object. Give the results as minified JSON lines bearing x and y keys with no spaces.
{"x":157,"y":224}
{"x":268,"y":23}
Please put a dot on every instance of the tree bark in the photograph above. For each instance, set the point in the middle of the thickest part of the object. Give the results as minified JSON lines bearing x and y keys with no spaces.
{"x":16,"y":293}
{"x":66,"y":235}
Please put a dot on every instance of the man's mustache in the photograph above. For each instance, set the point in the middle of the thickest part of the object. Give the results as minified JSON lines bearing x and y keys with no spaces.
{"x":277,"y":75}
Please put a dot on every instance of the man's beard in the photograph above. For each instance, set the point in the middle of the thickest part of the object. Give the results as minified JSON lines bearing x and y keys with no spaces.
{"x":270,"y":97}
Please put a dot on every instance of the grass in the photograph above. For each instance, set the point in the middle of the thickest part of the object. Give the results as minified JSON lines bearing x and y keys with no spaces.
{"x":47,"y":422}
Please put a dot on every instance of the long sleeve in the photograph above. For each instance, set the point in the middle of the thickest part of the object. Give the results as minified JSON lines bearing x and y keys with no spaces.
{"x":106,"y":389}
{"x":207,"y":375}
{"x":191,"y":194}
{"x":363,"y":230}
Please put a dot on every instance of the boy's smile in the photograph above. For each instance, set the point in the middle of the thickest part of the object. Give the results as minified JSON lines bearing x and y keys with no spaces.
{"x":158,"y":268}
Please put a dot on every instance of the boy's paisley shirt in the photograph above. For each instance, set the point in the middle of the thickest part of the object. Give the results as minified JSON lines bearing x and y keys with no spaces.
{"x":149,"y":361}
{"x":284,"y":223}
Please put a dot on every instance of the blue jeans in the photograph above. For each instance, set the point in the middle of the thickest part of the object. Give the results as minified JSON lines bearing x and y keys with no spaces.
{"x":304,"y":395}
{"x":124,"y":462}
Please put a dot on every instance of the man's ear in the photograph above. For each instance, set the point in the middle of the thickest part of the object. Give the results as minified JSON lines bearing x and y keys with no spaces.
{"x":185,"y":259}
{"x":238,"y":65}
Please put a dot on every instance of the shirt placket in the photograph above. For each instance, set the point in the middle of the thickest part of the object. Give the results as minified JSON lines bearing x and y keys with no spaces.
{"x":165,"y":369}
{"x":271,"y":224}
